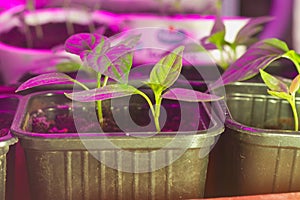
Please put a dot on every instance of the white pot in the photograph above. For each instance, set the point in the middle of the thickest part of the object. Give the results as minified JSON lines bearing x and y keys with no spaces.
{"x":163,"y":33}
{"x":16,"y":61}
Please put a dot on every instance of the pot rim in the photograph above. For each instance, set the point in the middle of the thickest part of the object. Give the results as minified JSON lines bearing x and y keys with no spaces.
{"x":216,"y":129}
{"x":9,"y":139}
{"x":261,"y":136}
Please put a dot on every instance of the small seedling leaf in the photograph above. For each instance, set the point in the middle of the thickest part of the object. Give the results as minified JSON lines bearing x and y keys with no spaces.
{"x":216,"y":39}
{"x":46,"y":79}
{"x":167,"y":70}
{"x":115,"y":63}
{"x":247,"y":34}
{"x":182,"y":94}
{"x":281,"y":95}
{"x":82,"y":43}
{"x":274,"y":83}
{"x":258,"y":56}
{"x":103,"y":93}
{"x":294,"y":87}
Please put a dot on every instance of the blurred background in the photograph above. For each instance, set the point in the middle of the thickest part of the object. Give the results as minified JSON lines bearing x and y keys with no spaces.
{"x":111,"y":20}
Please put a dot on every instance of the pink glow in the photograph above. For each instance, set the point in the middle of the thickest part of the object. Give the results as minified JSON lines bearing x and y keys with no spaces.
{"x":179,"y":17}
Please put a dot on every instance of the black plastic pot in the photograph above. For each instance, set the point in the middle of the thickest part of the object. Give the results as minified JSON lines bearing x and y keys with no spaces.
{"x":255,"y":155}
{"x":8,"y":107}
{"x":114,"y":165}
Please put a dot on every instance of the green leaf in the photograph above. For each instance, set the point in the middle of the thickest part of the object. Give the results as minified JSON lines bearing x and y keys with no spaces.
{"x":216,"y":37}
{"x":167,"y":70}
{"x":103,"y":93}
{"x":258,"y":56}
{"x":182,"y":94}
{"x":281,"y":95}
{"x":45,"y":79}
{"x":115,"y":63}
{"x":273,"y":83}
{"x":82,"y":43}
{"x":247,"y":34}
{"x":274,"y":43}
{"x":292,"y":55}
{"x":294,"y":87}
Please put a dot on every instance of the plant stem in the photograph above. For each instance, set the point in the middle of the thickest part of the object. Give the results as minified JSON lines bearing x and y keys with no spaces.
{"x":294,"y":109}
{"x":223,"y":62}
{"x":158,"y":100}
{"x":80,"y":84}
{"x":153,"y":111}
{"x":99,"y":102}
{"x":105,"y":81}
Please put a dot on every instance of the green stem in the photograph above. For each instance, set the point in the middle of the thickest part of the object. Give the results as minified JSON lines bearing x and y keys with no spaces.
{"x":232,"y":54}
{"x":153,"y":110}
{"x":158,"y":100}
{"x":223,"y":62}
{"x":105,"y":81}
{"x":99,"y":102}
{"x":80,"y":84}
{"x":294,"y":109}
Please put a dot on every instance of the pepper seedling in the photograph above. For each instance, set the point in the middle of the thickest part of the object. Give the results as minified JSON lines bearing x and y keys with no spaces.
{"x":280,"y":89}
{"x":104,"y":57}
{"x":162,"y":76}
{"x":246,"y":36}
{"x":115,"y":61}
{"x":259,"y":56}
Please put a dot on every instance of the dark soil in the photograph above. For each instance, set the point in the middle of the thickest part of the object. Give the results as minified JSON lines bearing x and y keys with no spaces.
{"x":55,"y":34}
{"x":60,"y":120}
{"x":5,"y":122}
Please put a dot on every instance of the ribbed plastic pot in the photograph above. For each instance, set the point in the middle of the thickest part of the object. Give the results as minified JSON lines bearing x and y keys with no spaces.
{"x":8,"y":107}
{"x":255,"y":155}
{"x":70,"y":165}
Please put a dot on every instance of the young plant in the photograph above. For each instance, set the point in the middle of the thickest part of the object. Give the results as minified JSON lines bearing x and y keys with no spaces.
{"x":104,"y":57}
{"x":108,"y":61}
{"x":280,"y":89}
{"x":228,"y":50}
{"x":259,"y":56}
{"x":162,"y":77}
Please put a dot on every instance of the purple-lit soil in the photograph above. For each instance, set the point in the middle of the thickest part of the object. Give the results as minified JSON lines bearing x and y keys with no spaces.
{"x":5,"y":123}
{"x":54,"y":34}
{"x":61,"y":121}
